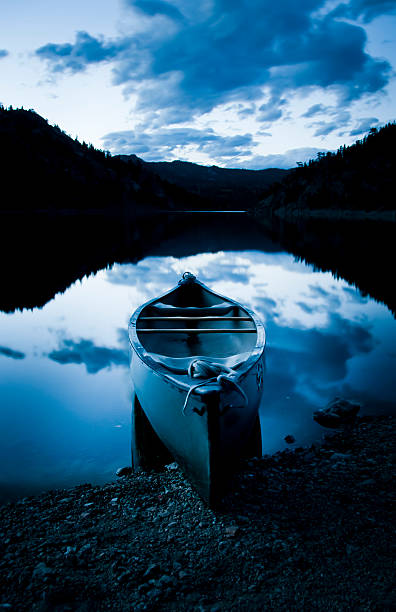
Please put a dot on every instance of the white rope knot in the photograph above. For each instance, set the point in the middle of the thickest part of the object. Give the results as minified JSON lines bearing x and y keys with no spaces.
{"x":205,"y":369}
{"x":212,"y":372}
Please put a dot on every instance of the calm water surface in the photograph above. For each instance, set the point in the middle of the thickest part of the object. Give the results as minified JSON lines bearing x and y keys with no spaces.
{"x":65,"y":391}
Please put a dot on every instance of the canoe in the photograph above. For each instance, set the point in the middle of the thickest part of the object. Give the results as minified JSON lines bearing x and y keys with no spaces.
{"x":197,"y":370}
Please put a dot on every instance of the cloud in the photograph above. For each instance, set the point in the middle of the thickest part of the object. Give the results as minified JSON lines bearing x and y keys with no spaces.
{"x":160,"y":144}
{"x":216,"y":52}
{"x":271,"y":111}
{"x":364,"y":126}
{"x":3,"y":53}
{"x":316,"y":109}
{"x":285,"y":160}
{"x":7,"y":352}
{"x":355,"y":295}
{"x":95,"y":358}
{"x":321,"y":354}
{"x":156,"y":7}
{"x":367,"y":10}
{"x":75,"y":58}
{"x":340,"y":119}
{"x":326,"y":128}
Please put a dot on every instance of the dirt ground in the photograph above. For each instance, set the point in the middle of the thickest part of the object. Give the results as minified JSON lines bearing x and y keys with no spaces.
{"x":308,"y":529}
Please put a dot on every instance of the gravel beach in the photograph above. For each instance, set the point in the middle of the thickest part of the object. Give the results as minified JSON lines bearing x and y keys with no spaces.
{"x":304,"y":529}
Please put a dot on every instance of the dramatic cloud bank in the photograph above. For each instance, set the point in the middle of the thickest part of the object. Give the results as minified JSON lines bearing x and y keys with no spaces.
{"x":159,"y":144}
{"x":179,"y":62}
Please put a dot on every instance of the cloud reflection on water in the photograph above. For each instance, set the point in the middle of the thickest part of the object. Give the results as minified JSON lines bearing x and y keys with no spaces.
{"x":95,"y":358}
{"x":8,"y":352}
{"x":323,"y":339}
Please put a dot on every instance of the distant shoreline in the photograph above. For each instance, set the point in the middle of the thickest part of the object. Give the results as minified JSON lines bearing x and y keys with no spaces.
{"x":290,"y":213}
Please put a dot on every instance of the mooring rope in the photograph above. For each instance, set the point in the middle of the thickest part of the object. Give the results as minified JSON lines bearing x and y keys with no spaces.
{"x":212,"y":372}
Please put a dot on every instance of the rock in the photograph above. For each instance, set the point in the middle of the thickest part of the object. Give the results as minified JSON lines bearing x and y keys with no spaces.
{"x":337,"y":412}
{"x":367,"y":482}
{"x":231,"y":531}
{"x":124,"y":576}
{"x":42,"y":571}
{"x":153,"y":594}
{"x":172,"y":466}
{"x":152,"y":570}
{"x":124,"y":471}
{"x":166,"y":581}
{"x":290,"y":439}
{"x":339,"y":457}
{"x":84,"y":549}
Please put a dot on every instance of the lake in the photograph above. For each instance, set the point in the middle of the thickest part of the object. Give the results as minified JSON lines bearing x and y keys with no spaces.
{"x":65,"y":389}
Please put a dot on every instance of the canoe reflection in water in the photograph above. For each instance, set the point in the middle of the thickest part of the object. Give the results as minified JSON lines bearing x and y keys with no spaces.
{"x":197,"y":369}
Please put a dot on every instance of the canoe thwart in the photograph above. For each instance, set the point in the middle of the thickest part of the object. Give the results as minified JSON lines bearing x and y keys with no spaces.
{"x":203,"y":330}
{"x":195,"y":319}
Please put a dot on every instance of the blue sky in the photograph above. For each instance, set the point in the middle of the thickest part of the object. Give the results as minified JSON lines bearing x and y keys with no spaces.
{"x":237,"y":83}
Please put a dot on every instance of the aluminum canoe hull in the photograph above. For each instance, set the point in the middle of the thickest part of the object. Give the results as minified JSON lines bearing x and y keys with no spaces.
{"x":210,"y":436}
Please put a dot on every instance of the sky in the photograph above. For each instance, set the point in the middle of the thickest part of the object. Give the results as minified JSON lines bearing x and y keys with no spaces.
{"x":236,"y":83}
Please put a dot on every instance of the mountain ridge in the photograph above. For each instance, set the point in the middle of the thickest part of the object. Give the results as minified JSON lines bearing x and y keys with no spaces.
{"x":224,"y":186}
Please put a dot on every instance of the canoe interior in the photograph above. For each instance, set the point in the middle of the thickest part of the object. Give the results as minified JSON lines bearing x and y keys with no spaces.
{"x":200,"y":323}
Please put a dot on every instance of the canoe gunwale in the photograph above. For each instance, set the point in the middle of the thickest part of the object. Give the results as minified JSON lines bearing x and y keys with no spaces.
{"x":175,"y":380}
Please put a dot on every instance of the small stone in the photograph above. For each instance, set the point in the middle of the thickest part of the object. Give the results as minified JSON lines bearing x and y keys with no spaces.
{"x":243,"y":519}
{"x":183,"y":574}
{"x":231,"y":531}
{"x":124,"y":471}
{"x":339,"y":456}
{"x":123,"y":577}
{"x":172,"y":466}
{"x":41,"y":571}
{"x":290,"y":439}
{"x":166,"y":580}
{"x":152,"y":570}
{"x":114,"y":500}
{"x":154,"y":593}
{"x":85,"y":548}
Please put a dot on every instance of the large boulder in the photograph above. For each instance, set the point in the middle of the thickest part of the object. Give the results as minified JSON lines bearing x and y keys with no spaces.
{"x":338,"y":412}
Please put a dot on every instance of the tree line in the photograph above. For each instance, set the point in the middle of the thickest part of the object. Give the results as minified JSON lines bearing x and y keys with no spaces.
{"x":358,"y":177}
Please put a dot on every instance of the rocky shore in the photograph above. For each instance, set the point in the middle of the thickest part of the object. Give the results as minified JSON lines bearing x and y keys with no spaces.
{"x":305,"y":529}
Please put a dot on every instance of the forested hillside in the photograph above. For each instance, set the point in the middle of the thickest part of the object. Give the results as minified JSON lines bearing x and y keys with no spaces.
{"x":356,"y":178}
{"x":44,"y":169}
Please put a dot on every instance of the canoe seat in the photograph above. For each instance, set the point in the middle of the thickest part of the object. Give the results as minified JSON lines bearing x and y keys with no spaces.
{"x":180,"y":365}
{"x":162,"y":309}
